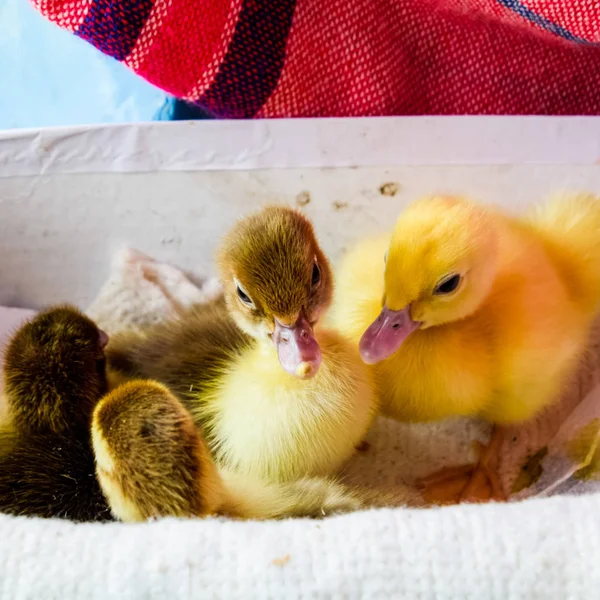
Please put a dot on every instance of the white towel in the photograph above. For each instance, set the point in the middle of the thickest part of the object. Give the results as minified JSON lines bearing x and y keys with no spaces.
{"x":487,"y":552}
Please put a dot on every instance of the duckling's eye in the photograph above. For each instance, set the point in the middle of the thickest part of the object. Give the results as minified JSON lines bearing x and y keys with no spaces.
{"x":244,"y":297}
{"x":448,"y":285}
{"x":316,"y":275}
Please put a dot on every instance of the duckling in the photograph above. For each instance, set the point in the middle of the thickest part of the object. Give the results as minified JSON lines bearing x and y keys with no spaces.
{"x":278,"y":396}
{"x":150,"y":458}
{"x":152,"y":461}
{"x":54,"y":374}
{"x":466,"y":311}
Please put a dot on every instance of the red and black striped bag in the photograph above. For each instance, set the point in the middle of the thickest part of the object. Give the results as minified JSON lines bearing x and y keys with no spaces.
{"x":275,"y":58}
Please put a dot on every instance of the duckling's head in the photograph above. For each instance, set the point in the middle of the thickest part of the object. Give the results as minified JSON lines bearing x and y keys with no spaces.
{"x":278,"y":284}
{"x":439,"y":268}
{"x":54,"y":371}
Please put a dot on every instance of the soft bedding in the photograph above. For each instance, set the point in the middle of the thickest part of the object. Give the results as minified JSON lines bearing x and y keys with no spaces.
{"x":538,"y":548}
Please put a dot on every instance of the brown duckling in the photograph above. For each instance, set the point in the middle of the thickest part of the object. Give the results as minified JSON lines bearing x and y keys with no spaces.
{"x":153,"y":462}
{"x":277,"y":396}
{"x":54,"y":374}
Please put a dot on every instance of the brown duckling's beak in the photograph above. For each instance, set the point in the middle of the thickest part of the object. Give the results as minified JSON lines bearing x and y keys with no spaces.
{"x":102,"y":339}
{"x":297,"y":348}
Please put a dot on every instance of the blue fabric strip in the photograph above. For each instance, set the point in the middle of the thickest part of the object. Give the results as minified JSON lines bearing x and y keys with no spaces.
{"x":541,"y":21}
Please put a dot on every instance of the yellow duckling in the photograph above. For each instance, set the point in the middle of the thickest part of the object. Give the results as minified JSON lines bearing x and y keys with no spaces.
{"x":278,"y":397}
{"x":466,"y":311}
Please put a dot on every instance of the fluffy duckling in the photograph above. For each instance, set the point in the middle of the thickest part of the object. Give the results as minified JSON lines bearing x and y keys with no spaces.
{"x":54,"y":374}
{"x":277,"y":396}
{"x":149,"y":456}
{"x":475,"y":313}
{"x":153,"y":462}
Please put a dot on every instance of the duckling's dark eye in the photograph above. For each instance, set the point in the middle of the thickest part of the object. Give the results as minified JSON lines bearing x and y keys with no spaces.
{"x":447,"y":285}
{"x":316,"y":275}
{"x":243,"y":296}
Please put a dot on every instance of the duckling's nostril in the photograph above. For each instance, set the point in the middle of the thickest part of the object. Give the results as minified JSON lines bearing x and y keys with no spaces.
{"x":304,"y":333}
{"x":396,"y":325}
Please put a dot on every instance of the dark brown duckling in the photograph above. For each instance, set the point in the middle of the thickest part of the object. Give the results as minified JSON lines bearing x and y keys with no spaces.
{"x":54,"y":374}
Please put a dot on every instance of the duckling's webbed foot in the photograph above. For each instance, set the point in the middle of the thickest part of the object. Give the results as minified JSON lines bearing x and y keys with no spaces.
{"x":54,"y":372}
{"x":467,"y":483}
{"x":151,"y":460}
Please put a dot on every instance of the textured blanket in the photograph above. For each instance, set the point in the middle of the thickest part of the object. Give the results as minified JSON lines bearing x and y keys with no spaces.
{"x":538,"y":548}
{"x":277,"y":58}
{"x":488,"y":552}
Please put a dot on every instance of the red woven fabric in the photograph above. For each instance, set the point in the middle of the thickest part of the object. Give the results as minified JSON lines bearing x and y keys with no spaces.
{"x":289,"y":58}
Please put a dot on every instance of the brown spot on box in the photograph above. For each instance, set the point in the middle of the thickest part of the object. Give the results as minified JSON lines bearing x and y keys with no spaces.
{"x":303,"y":198}
{"x":389,"y":189}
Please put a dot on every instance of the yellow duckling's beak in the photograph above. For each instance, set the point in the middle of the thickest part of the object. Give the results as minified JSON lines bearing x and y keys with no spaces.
{"x":297,"y":349}
{"x":386,"y":334}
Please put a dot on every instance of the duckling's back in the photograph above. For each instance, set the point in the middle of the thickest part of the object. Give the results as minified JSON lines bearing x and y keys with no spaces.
{"x":569,"y":228}
{"x":187,"y":355}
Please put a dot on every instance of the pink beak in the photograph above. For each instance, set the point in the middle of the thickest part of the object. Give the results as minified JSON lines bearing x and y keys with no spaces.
{"x":102,"y":339}
{"x":297,"y":348}
{"x":386,"y":334}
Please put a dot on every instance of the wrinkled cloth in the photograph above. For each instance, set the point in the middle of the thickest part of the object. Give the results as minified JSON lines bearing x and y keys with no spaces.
{"x":309,"y":58}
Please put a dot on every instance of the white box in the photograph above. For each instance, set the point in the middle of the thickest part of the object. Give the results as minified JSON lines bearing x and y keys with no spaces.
{"x":70,"y":197}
